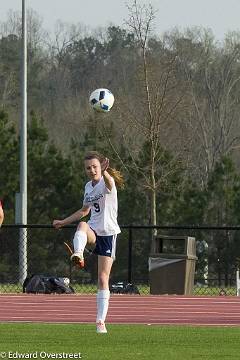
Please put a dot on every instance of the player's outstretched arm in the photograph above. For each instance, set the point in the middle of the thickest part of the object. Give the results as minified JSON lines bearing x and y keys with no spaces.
{"x":84,"y":211}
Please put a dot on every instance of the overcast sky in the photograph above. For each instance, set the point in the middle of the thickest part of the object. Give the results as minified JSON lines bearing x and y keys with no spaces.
{"x":219,"y":15}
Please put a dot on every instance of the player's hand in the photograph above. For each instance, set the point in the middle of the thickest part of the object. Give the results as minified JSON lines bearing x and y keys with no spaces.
{"x":58,"y":224}
{"x":105,"y":164}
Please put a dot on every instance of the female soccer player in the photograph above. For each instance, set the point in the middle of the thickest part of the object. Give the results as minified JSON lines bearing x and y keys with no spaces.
{"x":100,"y":198}
{"x":1,"y":214}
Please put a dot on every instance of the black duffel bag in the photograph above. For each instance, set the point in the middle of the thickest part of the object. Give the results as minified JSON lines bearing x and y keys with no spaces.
{"x":39,"y":284}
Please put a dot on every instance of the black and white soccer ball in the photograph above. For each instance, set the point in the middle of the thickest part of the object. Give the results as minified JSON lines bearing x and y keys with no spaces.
{"x":65,"y":280}
{"x":101,"y":100}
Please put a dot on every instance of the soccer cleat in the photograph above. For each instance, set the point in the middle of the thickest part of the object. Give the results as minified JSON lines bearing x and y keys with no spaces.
{"x":78,"y":259}
{"x":101,"y":328}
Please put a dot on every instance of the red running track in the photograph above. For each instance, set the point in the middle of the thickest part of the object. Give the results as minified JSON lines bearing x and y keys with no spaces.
{"x":123,"y":309}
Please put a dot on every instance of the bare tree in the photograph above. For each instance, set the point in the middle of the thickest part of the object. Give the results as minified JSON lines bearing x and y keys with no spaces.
{"x":13,"y":26}
{"x":158,"y":102}
{"x":10,"y":43}
{"x":213,"y":76}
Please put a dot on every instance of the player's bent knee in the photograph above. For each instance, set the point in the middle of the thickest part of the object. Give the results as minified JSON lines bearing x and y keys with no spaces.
{"x":83,"y":226}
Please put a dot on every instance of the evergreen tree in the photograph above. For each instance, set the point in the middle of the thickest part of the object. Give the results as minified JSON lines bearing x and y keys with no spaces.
{"x":9,"y":166}
{"x":223,"y":193}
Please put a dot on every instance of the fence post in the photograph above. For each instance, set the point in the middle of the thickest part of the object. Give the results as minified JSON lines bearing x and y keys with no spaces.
{"x":130,"y":255}
{"x":23,"y":265}
{"x":237,"y":283}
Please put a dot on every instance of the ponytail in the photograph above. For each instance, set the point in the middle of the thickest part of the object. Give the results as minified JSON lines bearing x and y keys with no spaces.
{"x":117,"y":176}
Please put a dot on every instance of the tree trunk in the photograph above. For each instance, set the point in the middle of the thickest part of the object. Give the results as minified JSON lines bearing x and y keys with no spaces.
{"x":153,"y":201}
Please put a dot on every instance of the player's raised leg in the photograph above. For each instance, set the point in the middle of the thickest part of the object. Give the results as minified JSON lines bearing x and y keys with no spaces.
{"x":83,"y":235}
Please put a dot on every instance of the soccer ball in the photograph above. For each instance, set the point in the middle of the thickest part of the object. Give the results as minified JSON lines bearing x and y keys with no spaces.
{"x":101,"y":100}
{"x":65,"y":280}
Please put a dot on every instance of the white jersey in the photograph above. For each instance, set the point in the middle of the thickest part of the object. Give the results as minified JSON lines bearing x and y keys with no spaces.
{"x":104,"y":207}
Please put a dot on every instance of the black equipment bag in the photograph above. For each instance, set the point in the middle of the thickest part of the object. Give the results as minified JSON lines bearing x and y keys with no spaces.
{"x":39,"y":284}
{"x":122,"y":287}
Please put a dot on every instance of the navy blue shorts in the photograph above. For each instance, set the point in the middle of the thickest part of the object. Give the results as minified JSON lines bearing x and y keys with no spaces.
{"x":106,"y":246}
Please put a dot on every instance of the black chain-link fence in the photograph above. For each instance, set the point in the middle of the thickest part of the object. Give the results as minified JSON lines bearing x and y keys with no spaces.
{"x":39,"y":249}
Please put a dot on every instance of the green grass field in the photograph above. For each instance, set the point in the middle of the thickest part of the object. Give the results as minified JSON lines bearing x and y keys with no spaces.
{"x":122,"y":342}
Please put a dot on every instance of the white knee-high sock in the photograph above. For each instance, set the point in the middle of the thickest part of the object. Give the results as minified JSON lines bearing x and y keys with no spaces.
{"x":102,"y":304}
{"x":79,"y":241}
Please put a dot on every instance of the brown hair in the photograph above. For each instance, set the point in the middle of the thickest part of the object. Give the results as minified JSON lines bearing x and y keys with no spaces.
{"x":117,"y":176}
